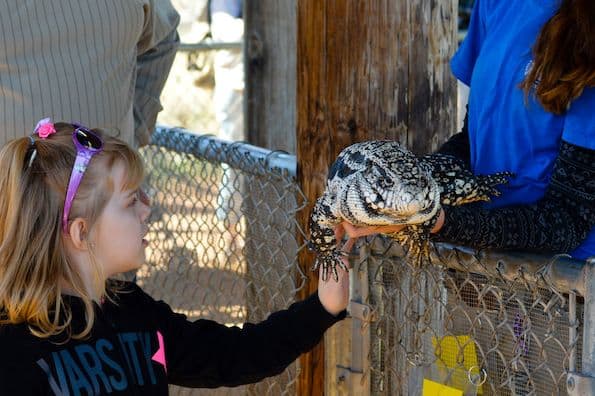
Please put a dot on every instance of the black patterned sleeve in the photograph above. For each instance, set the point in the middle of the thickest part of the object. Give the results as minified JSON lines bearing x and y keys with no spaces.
{"x":558,"y":222}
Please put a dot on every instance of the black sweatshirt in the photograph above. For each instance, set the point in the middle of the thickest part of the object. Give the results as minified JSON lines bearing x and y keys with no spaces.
{"x":121,"y":356}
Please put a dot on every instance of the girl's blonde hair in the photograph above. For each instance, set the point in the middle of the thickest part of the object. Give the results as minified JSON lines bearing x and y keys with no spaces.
{"x":33,"y":259}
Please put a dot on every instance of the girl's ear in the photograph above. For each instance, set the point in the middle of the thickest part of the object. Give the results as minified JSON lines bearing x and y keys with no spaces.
{"x":78,"y":233}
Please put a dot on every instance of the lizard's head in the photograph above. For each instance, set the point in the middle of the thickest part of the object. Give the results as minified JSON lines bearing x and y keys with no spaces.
{"x":381,"y":183}
{"x":402,"y":193}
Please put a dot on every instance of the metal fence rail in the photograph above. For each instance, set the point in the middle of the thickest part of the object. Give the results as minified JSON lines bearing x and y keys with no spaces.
{"x":223,"y":246}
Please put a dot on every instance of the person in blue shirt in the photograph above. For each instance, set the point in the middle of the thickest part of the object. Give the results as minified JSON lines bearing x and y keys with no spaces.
{"x":530,"y":67}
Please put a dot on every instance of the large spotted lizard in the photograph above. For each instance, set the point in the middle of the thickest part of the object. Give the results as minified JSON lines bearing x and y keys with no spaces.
{"x":377,"y":183}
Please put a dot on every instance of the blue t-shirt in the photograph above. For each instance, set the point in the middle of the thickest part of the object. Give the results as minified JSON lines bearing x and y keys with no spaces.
{"x":508,"y":131}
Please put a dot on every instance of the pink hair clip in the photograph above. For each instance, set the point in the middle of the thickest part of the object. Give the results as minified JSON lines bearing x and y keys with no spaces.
{"x":44,"y":128}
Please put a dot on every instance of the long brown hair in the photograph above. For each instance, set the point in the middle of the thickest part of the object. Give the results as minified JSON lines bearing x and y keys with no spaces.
{"x":564,"y":56}
{"x":33,"y":258}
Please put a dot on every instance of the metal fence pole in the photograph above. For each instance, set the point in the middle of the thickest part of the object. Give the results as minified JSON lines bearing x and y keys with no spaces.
{"x":357,"y":375}
{"x":583,"y":383}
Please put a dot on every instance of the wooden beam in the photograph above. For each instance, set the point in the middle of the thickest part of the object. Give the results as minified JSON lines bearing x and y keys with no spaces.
{"x":374,"y":69}
{"x":270,"y":43}
{"x":324,"y":74}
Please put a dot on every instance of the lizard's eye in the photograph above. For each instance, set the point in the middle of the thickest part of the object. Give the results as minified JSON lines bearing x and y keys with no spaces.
{"x":386,"y":182}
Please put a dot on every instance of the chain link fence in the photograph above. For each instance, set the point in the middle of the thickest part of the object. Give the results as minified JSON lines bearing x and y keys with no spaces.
{"x":222,"y":235}
{"x":223,"y":246}
{"x":483,"y":323}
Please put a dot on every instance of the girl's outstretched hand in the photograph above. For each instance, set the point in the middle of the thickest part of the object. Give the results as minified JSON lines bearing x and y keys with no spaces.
{"x":334,"y":296}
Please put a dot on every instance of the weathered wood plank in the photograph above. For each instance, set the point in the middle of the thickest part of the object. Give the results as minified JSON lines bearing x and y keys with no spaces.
{"x":270,"y":54}
{"x":368,"y":70}
{"x":325,"y":74}
{"x":432,"y":88}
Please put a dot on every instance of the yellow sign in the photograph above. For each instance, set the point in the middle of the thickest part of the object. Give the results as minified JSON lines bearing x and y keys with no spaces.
{"x":432,"y":388}
{"x":457,"y":360}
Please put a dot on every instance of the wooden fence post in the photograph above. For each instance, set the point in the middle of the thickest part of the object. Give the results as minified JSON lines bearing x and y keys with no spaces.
{"x":363,"y":70}
{"x":368,"y":70}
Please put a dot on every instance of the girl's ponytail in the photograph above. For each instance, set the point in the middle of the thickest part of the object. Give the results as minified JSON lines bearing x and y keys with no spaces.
{"x":30,"y":261}
{"x":12,"y":158}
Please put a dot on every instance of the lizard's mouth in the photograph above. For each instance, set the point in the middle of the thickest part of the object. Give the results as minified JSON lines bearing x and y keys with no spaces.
{"x":430,"y":211}
{"x":396,"y":217}
{"x":413,"y":210}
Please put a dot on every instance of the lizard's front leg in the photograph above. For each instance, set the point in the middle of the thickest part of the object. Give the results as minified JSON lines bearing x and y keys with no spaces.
{"x":322,"y":237}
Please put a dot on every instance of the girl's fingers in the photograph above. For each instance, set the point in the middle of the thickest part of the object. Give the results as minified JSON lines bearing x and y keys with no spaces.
{"x":357,"y":232}
{"x":348,"y":245}
{"x":350,"y":229}
{"x":339,"y":232}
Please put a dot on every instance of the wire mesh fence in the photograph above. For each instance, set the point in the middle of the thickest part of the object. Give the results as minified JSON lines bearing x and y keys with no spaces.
{"x":223,"y":246}
{"x":485,"y":327}
{"x":222,"y":236}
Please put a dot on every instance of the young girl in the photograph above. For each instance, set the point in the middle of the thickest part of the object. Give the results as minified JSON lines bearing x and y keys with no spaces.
{"x":71,"y":216}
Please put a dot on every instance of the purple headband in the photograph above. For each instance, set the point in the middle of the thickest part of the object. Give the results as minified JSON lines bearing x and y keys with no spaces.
{"x":87,"y":144}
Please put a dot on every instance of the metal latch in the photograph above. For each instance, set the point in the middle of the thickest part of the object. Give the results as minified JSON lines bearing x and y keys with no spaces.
{"x":347,"y":375}
{"x":578,"y":384}
{"x":360,"y":311}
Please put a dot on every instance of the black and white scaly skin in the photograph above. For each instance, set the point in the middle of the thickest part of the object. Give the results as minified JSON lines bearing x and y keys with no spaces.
{"x":378,"y":183}
{"x":458,"y":186}
{"x":370,"y":183}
